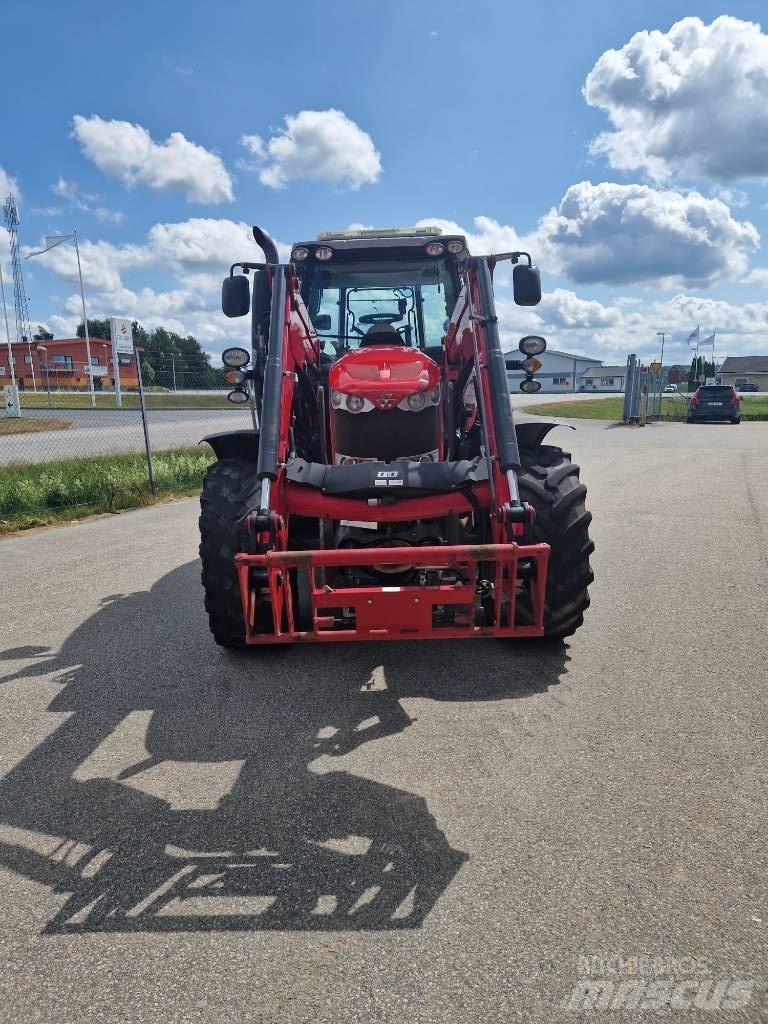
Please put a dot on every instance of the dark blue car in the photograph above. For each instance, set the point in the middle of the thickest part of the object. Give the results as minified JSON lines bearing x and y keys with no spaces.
{"x":715,"y":402}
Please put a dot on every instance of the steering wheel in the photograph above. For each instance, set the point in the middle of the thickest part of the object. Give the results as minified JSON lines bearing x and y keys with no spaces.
{"x":379,"y":318}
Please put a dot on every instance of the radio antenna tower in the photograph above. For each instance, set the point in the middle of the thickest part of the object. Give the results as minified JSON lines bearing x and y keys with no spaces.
{"x":23,"y":330}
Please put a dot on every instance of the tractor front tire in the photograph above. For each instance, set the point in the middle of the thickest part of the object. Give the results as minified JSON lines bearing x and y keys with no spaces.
{"x":549,"y":481}
{"x":230,"y":489}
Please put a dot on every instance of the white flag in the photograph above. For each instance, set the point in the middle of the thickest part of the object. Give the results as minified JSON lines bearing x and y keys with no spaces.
{"x":51,"y":241}
{"x":693,"y":338}
{"x":709,"y":341}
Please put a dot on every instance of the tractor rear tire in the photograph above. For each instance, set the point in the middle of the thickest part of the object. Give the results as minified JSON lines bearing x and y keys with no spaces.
{"x":230,"y":489}
{"x":550,"y":482}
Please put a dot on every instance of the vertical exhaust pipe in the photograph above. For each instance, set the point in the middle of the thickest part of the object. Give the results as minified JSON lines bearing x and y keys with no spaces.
{"x":266,"y":244}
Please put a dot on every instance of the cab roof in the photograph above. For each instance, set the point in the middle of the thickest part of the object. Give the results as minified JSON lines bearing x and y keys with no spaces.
{"x":398,"y":242}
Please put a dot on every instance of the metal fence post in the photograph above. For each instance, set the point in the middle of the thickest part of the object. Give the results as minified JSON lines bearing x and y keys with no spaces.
{"x":147,"y":446}
{"x":629,"y":384}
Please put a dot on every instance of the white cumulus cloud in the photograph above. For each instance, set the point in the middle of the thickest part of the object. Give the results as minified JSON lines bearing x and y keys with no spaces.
{"x":8,"y":186}
{"x":690,"y":101}
{"x":128,"y":152}
{"x":318,"y":145}
{"x":634,"y":234}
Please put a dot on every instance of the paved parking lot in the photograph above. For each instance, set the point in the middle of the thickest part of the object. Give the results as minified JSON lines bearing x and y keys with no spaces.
{"x":407,"y":832}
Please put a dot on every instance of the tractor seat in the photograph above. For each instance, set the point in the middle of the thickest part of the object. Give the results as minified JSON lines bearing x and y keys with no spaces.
{"x":381,"y":334}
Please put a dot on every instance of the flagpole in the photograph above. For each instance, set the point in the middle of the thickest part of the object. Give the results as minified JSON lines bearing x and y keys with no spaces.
{"x":7,"y":331}
{"x":85,"y":324}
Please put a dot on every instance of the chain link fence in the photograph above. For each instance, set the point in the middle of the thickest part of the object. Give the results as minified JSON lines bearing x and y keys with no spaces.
{"x":70,"y":452}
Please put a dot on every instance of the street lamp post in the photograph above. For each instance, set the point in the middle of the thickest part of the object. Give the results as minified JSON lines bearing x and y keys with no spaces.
{"x":51,"y":242}
{"x":44,"y":348}
{"x":661,"y":366}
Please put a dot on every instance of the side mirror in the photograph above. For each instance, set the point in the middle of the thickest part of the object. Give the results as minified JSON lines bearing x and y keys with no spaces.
{"x":526,"y":282}
{"x":322,"y":322}
{"x":235,"y":296}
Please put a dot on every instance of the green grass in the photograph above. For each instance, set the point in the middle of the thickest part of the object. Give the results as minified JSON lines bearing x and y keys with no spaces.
{"x":672,"y":408}
{"x":153,"y":399}
{"x":48,"y":492}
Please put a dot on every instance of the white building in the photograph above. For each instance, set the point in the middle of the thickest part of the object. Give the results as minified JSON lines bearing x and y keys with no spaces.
{"x":604,"y":378}
{"x":560,"y":373}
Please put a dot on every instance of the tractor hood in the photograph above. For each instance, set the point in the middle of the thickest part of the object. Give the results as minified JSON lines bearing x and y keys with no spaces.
{"x":384,"y":374}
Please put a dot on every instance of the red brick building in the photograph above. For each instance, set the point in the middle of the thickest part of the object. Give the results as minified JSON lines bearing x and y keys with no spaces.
{"x":63,"y":364}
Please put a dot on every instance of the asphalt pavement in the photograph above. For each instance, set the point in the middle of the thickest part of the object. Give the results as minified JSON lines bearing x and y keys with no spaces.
{"x":103,"y":431}
{"x":425,"y":832}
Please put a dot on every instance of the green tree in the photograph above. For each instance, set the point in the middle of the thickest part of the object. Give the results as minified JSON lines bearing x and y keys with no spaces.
{"x":167,"y":355}
{"x":96,"y":329}
{"x":147,"y":374}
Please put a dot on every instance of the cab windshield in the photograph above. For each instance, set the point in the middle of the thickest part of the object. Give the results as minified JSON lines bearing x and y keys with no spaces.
{"x":346,"y":302}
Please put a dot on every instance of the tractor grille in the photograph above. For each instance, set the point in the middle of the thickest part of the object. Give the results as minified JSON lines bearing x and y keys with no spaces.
{"x":385,"y":435}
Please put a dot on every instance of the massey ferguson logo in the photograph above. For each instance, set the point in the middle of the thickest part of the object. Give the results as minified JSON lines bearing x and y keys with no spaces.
{"x":386,"y":401}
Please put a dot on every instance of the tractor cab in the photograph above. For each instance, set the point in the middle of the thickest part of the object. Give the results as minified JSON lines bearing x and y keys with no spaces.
{"x":381,"y":306}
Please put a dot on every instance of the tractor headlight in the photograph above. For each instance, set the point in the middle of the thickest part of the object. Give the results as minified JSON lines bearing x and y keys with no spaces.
{"x":355,"y":403}
{"x":323,"y":252}
{"x":532,"y":345}
{"x":455,"y":246}
{"x":530,"y":386}
{"x":434,"y":248}
{"x":299,"y":253}
{"x":417,"y":402}
{"x":336,"y":399}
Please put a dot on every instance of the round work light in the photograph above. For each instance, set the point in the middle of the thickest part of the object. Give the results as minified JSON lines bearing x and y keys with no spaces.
{"x":532,"y":345}
{"x":235,"y":357}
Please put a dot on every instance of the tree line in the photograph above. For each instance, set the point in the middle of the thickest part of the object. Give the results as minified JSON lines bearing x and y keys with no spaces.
{"x":165,"y":353}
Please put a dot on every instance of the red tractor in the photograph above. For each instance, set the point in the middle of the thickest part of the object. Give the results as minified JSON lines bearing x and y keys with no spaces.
{"x":385,"y":491}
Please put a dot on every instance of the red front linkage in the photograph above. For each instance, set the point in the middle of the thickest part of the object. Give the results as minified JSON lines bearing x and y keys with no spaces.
{"x":410,"y":612}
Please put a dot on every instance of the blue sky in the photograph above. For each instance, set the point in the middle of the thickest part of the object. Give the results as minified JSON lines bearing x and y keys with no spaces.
{"x":130,"y":125}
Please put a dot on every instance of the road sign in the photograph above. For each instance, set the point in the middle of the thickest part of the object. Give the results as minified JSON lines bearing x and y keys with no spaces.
{"x":122,"y":343}
{"x":655,"y":367}
{"x":9,"y":402}
{"x":122,"y":334}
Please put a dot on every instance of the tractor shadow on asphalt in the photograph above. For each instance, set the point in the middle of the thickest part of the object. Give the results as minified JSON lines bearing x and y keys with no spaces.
{"x":192,"y":789}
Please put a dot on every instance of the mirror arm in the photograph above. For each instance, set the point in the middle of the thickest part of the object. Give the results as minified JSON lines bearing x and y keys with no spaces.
{"x":513,"y":256}
{"x":246,"y":267}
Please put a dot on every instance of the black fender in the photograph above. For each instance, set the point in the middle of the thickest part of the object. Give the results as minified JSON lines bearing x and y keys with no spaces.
{"x":531,"y":433}
{"x":234,"y":444}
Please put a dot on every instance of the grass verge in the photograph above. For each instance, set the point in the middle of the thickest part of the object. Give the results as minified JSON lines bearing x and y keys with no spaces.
{"x":153,"y":399}
{"x":27,"y":425}
{"x":49,"y":492}
{"x":672,"y":408}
